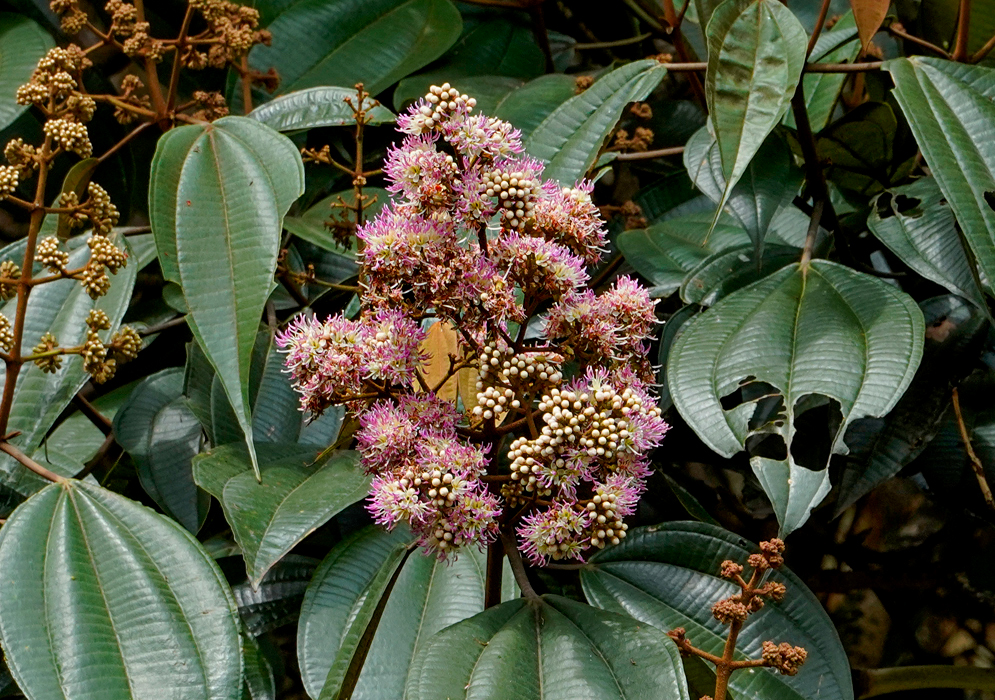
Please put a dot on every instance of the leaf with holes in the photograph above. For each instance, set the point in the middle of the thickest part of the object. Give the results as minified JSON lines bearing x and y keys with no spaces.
{"x":769,"y":184}
{"x":916,"y":224}
{"x":667,"y":576}
{"x":428,"y":595}
{"x":949,"y":107}
{"x":105,"y":598}
{"x":550,"y":648}
{"x":22,"y":43}
{"x":217,"y":199}
{"x":805,"y":333}
{"x":296,"y":496}
{"x":756,"y":52}
{"x":569,"y":139}
{"x":59,"y":307}
{"x":163,"y":436}
{"x":374,"y":42}
{"x":318,"y":107}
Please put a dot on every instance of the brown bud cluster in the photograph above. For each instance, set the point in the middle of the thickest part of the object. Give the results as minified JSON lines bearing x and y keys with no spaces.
{"x":9,"y":270}
{"x":232,"y":30}
{"x":212,"y":105}
{"x":6,"y":334}
{"x":785,"y":658}
{"x":130,"y":85}
{"x":638,"y":142}
{"x":49,"y":254}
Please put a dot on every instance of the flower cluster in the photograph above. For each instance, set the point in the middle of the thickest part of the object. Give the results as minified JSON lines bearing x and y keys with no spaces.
{"x":476,"y":239}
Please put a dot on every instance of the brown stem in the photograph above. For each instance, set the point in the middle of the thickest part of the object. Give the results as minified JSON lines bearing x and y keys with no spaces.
{"x":648,"y":155}
{"x":813,"y":230}
{"x":13,"y":365}
{"x":677,"y":39}
{"x":127,"y":137}
{"x":518,"y":567}
{"x":612,"y":44}
{"x":181,"y":39}
{"x":160,"y":327}
{"x":102,"y":422}
{"x":246,"y":85}
{"x":963,"y":31}
{"x":814,"y":176}
{"x":542,"y":35}
{"x":866,"y":67}
{"x":976,"y":465}
{"x":983,"y":51}
{"x":897,"y":30}
{"x":30,"y":463}
{"x":817,"y":30}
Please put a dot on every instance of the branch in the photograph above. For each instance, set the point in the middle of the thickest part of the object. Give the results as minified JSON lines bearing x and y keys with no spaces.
{"x":518,"y":567}
{"x":979,"y":469}
{"x":963,"y":31}
{"x":30,"y":463}
{"x":648,"y":155}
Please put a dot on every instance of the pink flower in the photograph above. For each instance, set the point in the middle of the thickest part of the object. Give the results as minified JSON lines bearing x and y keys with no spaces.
{"x":568,"y":216}
{"x":539,"y":267}
{"x":559,"y":532}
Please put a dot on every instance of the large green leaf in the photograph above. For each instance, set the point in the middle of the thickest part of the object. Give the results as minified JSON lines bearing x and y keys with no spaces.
{"x":496,"y":48}
{"x":77,"y":439}
{"x":375,"y":42}
{"x":822,"y":90}
{"x":724,"y":272}
{"x":22,"y":44}
{"x":296,"y":495}
{"x":916,"y":224}
{"x":216,"y":203}
{"x":949,"y":107}
{"x":61,"y":308}
{"x":528,"y":106}
{"x":276,"y":601}
{"x":103,"y":598}
{"x":769,"y":183}
{"x":547,"y":649}
{"x":162,"y":435}
{"x":317,"y":107}
{"x":428,"y":596}
{"x":666,"y":252}
{"x":667,"y":576}
{"x":259,"y":681}
{"x":804,"y":334}
{"x":756,"y":52}
{"x":569,"y":139}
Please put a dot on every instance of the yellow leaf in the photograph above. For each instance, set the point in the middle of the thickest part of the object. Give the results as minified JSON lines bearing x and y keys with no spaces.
{"x":869,"y":14}
{"x":441,"y":341}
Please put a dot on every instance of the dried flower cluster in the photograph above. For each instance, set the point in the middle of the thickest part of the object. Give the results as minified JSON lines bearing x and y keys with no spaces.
{"x":55,"y":90}
{"x":734,"y":611}
{"x":554,"y":442}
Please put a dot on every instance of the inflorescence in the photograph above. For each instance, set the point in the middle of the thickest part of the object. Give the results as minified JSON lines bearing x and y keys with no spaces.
{"x":554,"y":442}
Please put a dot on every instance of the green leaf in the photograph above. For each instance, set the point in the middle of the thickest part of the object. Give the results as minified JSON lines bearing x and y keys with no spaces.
{"x":803,"y":334}
{"x":949,"y":107}
{"x":318,"y":107}
{"x":276,"y":601}
{"x":429,"y":595}
{"x":296,"y":496}
{"x":548,"y":649}
{"x":22,"y":44}
{"x":216,"y":202}
{"x":569,"y":139}
{"x":916,"y":224}
{"x":375,"y":42}
{"x":671,"y":328}
{"x":822,"y":90}
{"x":259,"y":681}
{"x":863,"y":152}
{"x":530,"y":104}
{"x":756,"y":52}
{"x":667,"y":576}
{"x":770,"y":182}
{"x":495,"y":48}
{"x":879,"y":449}
{"x":59,"y":307}
{"x":162,"y":435}
{"x":310,"y":225}
{"x":666,"y":252}
{"x":76,"y":439}
{"x":105,"y":598}
{"x":724,"y":272}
